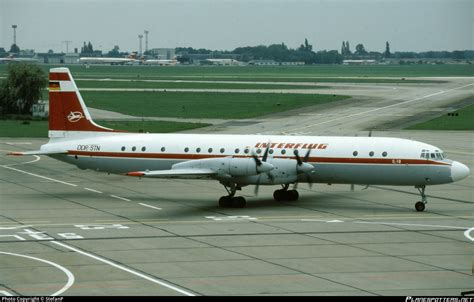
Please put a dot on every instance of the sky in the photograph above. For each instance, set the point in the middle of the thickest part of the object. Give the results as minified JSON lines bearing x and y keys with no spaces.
{"x":408,"y":25}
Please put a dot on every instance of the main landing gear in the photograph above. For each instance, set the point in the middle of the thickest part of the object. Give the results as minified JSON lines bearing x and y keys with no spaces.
{"x":420,"y":205}
{"x":232,"y":201}
{"x":285,"y":195}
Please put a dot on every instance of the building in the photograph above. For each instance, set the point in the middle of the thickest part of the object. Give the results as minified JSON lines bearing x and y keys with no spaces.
{"x":71,"y":58}
{"x":40,"y":109}
{"x":50,"y":58}
{"x":163,"y":53}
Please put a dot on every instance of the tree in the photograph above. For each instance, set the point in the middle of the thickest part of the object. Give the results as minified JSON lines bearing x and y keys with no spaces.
{"x":22,"y":88}
{"x":343,"y":48}
{"x":14,"y":48}
{"x":348,"y":48}
{"x":387,"y":53}
{"x":115,"y":52}
{"x":360,"y":50}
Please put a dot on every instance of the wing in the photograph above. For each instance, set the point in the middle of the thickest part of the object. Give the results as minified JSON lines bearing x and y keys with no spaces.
{"x":176,"y":173}
{"x":37,"y":152}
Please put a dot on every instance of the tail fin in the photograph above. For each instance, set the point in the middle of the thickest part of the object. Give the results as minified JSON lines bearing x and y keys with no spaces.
{"x":67,"y":111}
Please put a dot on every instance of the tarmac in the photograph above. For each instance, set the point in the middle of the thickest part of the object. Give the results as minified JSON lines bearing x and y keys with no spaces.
{"x":65,"y":231}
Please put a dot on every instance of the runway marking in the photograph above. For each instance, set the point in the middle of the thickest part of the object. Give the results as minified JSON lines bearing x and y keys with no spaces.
{"x":17,"y":143}
{"x":468,"y":235}
{"x":16,"y":236}
{"x":376,"y":109}
{"x":5,"y":293}
{"x":14,"y":227}
{"x":40,"y":176}
{"x":118,"y":197}
{"x":414,"y":224}
{"x":228,"y":218}
{"x":70,"y":276}
{"x":330,"y":221}
{"x":147,"y":205}
{"x":154,"y":280}
{"x":92,"y":190}
{"x":100,"y":226}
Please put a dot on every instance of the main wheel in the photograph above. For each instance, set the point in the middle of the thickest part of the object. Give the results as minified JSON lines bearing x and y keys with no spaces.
{"x":225,"y":202}
{"x":238,"y":202}
{"x":420,"y":206}
{"x":279,"y":195}
{"x":293,"y":195}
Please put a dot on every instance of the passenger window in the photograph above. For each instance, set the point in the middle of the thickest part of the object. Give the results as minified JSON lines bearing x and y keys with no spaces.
{"x":295,"y":152}
{"x":384,"y":154}
{"x":259,"y":151}
{"x":209,"y":150}
{"x":237,"y":150}
{"x":355,"y":153}
{"x":186,"y":149}
{"x":198,"y":150}
{"x":163,"y":149}
{"x":371,"y":153}
{"x":283,"y":151}
{"x":134,"y":148}
{"x":222,"y":150}
{"x":143,"y":149}
{"x":123,"y":148}
{"x":246,"y":151}
{"x":270,"y":151}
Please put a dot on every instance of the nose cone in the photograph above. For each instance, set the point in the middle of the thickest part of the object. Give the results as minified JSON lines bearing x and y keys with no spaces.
{"x":265,"y":167}
{"x":459,"y":171}
{"x":305,"y":168}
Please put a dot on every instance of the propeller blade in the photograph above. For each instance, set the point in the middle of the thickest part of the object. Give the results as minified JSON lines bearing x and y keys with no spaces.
{"x":306,"y":157}
{"x":258,"y":162}
{"x":265,"y":154}
{"x":298,"y":159}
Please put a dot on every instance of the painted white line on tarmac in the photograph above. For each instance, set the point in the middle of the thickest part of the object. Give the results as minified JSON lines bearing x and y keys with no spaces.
{"x":376,"y":109}
{"x":467,"y":233}
{"x":40,"y":176}
{"x":92,"y":190}
{"x":5,"y":293}
{"x":118,"y":197}
{"x":414,"y":224}
{"x":15,"y":236}
{"x":70,"y":276}
{"x":147,"y":205}
{"x":163,"y":283}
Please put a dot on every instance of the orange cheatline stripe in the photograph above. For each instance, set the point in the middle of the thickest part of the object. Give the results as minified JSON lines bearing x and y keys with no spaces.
{"x":336,"y":160}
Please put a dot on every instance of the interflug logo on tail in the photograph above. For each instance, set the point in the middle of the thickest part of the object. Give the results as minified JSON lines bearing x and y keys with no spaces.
{"x":74,"y":116}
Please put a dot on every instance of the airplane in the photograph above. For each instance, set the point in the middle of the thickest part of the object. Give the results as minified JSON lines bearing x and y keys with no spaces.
{"x":237,"y":161}
{"x":11,"y":58}
{"x":108,"y":60}
{"x":160,"y":62}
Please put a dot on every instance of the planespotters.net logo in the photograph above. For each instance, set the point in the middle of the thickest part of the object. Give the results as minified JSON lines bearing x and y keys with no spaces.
{"x":74,"y":116}
{"x":439,"y":299}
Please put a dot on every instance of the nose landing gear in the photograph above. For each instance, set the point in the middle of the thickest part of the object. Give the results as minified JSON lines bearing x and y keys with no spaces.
{"x":420,"y":205}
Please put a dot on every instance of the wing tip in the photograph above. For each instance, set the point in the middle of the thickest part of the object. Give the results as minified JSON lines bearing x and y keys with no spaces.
{"x":15,"y":153}
{"x":135,"y":174}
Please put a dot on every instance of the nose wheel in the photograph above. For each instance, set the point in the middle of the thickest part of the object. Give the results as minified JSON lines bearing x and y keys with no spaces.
{"x":420,"y":205}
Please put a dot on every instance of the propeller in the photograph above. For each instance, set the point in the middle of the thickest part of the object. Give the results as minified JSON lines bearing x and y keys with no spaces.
{"x":302,"y":166}
{"x":262,"y":167}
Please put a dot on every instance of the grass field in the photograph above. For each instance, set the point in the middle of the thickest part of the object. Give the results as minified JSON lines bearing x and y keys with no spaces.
{"x":201,"y":105}
{"x":264,"y":72}
{"x":463,"y":121}
{"x":14,"y":128}
{"x":220,"y":85}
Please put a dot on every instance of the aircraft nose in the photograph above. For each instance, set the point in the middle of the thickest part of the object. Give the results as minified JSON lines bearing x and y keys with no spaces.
{"x":459,"y":171}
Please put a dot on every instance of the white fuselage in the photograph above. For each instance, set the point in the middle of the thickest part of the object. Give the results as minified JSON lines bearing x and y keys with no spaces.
{"x":353,"y":160}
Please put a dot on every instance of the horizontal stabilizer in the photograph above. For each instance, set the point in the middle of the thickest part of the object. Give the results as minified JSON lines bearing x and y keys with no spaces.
{"x":176,"y":173}
{"x":37,"y":152}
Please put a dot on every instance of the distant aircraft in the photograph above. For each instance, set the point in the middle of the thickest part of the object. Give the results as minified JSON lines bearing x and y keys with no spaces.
{"x":160,"y":62}
{"x":11,"y":58}
{"x":238,"y":160}
{"x":108,"y":60}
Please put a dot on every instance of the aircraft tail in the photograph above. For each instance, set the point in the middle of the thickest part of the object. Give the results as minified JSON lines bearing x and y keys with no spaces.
{"x":67,"y":110}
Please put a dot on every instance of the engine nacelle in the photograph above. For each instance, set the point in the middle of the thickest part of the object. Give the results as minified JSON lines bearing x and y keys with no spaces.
{"x":227,"y":166}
